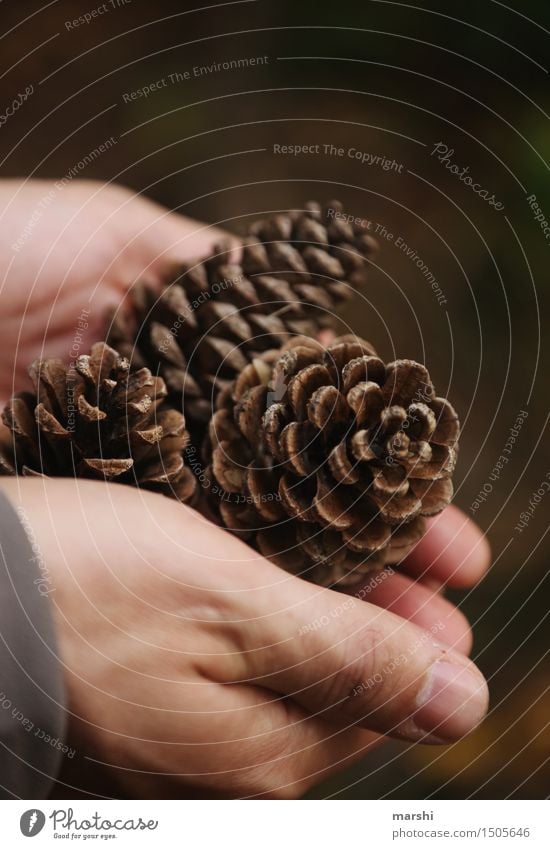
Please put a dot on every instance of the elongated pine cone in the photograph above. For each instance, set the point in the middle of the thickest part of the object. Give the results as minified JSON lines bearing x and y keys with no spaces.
{"x":329,"y":460}
{"x":97,"y":420}
{"x":214,"y":317}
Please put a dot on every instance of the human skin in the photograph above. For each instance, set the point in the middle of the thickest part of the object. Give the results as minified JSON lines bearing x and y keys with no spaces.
{"x":90,"y":243}
{"x":191,"y":663}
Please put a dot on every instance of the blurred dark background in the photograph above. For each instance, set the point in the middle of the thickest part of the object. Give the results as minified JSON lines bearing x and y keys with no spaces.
{"x":390,"y":79}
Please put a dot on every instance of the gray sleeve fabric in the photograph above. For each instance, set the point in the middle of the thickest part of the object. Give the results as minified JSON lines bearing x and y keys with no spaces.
{"x":32,"y":714}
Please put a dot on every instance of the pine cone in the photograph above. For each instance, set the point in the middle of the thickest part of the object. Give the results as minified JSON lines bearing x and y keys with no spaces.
{"x":212,"y":318}
{"x":328,"y":460}
{"x":97,"y":420}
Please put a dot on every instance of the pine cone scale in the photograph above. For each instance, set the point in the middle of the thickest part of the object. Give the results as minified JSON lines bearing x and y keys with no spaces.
{"x":97,"y":420}
{"x":356,"y":472}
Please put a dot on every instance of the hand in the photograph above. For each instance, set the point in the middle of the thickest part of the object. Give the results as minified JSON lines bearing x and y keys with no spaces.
{"x":83,"y":253}
{"x":195,"y":666}
{"x":77,"y":248}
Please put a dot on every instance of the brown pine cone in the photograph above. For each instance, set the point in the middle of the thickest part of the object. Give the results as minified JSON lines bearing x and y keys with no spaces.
{"x":97,"y":420}
{"x":328,"y":460}
{"x":213,"y":317}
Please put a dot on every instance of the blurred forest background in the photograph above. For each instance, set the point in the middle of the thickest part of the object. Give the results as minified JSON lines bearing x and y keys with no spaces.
{"x":391,"y":79}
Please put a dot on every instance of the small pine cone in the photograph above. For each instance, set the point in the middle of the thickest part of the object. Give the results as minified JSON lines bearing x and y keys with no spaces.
{"x":97,"y":420}
{"x":329,"y":460}
{"x":214,"y":317}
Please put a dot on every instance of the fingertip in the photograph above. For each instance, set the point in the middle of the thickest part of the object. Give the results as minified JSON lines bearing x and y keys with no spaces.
{"x":453,"y":700}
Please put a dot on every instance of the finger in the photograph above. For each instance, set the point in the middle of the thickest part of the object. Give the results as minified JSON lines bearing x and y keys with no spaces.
{"x":355,"y":662}
{"x":420,"y":604}
{"x":282,"y":750}
{"x":342,"y":659}
{"x":453,"y":551}
{"x":251,"y":742}
{"x":176,"y":238}
{"x":310,"y":750}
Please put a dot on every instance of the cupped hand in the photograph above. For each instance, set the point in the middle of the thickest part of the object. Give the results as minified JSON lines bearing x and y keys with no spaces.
{"x":67,"y":253}
{"x":193,"y":665}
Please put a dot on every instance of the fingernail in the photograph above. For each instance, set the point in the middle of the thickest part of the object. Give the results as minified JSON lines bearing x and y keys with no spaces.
{"x":452,"y":701}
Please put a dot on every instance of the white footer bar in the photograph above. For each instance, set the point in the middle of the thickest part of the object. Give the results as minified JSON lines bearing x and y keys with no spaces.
{"x":279,"y":825}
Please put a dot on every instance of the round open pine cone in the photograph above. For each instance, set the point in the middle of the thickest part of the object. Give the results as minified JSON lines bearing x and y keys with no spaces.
{"x":213,"y":317}
{"x":328,"y":460}
{"x":97,"y":420}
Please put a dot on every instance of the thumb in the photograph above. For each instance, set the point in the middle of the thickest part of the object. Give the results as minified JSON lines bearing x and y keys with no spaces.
{"x":360,"y":664}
